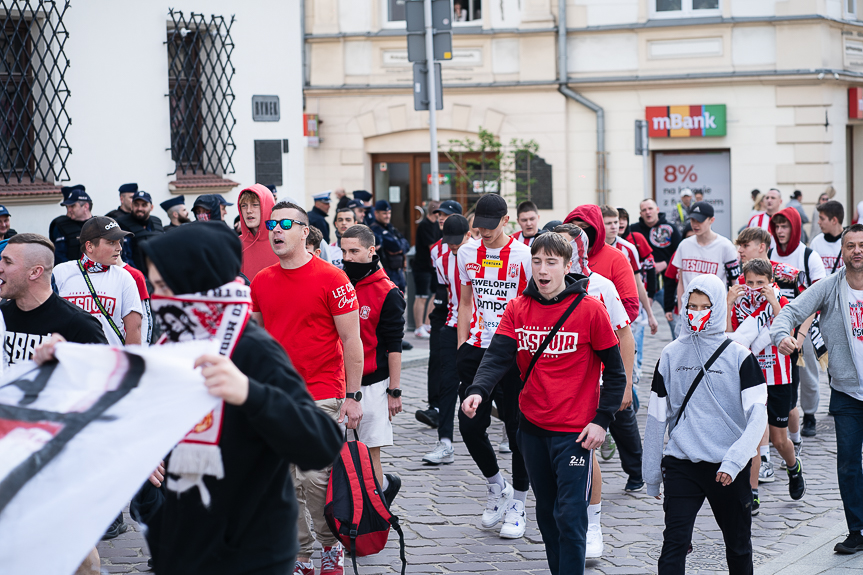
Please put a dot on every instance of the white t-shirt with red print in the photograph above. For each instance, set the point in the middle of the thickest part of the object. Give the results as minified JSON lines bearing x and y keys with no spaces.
{"x":496,"y":276}
{"x":603,"y":289}
{"x":855,"y":308}
{"x":692,"y":259}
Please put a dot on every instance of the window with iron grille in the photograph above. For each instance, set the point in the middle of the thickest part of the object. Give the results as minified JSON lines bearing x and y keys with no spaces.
{"x":33,"y":115}
{"x":200,"y":93}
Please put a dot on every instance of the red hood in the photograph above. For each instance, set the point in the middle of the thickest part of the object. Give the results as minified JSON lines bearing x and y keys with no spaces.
{"x":592,"y":216}
{"x":793,"y":216}
{"x":257,"y":253}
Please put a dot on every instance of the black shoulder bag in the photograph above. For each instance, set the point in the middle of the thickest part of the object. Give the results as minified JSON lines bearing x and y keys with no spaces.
{"x":545,"y":343}
{"x":700,"y":376}
{"x":98,"y":303}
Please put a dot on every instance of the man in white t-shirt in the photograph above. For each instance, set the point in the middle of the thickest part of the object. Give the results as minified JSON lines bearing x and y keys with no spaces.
{"x":704,"y":253}
{"x":785,"y":227}
{"x":492,"y":271}
{"x":828,"y":243}
{"x":839,"y":299}
{"x":345,"y":218}
{"x":97,"y":271}
{"x":772,"y":203}
{"x":527,"y":216}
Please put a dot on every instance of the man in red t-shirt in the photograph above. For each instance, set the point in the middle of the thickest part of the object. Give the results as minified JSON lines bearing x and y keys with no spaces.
{"x":563,"y":414}
{"x":310,"y":307}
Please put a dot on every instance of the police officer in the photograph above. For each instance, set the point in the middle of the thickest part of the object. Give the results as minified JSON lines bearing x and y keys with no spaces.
{"x":366,"y":199}
{"x":318,"y":214}
{"x":177,"y":212}
{"x":64,"y":230}
{"x":223,"y":209}
{"x":125,"y":207}
{"x":392,"y":246}
{"x":143,"y":225}
{"x":6,"y":230}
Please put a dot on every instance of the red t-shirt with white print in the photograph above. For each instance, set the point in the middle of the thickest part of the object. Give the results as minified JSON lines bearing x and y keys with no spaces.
{"x":298,"y":307}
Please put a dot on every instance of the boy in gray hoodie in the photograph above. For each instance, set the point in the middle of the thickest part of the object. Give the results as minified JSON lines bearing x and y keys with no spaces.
{"x":712,"y":437}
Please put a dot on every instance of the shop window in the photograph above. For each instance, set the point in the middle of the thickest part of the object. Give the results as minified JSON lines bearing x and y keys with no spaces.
{"x":850,"y":9}
{"x":685,"y":8}
{"x":33,"y":144}
{"x":200,"y":94}
{"x":463,"y":11}
{"x":533,"y":181}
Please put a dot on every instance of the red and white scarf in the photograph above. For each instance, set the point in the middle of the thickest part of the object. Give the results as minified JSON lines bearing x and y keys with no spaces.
{"x":219,"y":315}
{"x":92,"y":267}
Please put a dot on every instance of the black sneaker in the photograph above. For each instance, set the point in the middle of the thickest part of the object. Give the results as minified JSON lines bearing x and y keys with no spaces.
{"x":406,"y":345}
{"x":796,"y":484}
{"x":756,"y":502}
{"x":393,"y":488}
{"x":632,"y":486}
{"x":808,"y":429}
{"x":117,"y":527}
{"x":429,"y":416}
{"x":851,"y":545}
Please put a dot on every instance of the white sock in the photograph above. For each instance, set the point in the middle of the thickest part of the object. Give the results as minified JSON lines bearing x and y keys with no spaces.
{"x":795,"y":436}
{"x":520,"y":496}
{"x":496,"y":479}
{"x":446,"y":441}
{"x":764,"y":450}
{"x":594,"y":514}
{"x":386,"y":483}
{"x":308,"y":565}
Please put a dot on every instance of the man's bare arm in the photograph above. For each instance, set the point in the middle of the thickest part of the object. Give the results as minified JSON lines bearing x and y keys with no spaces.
{"x":132,"y":324}
{"x":465,"y":312}
{"x":258,"y":317}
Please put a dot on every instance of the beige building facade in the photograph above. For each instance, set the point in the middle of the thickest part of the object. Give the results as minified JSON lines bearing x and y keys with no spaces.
{"x":779,"y":70}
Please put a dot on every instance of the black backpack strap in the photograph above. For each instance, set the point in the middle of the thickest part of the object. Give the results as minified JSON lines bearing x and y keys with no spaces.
{"x":700,"y":376}
{"x":353,"y":553}
{"x":98,"y":303}
{"x":806,"y":253}
{"x":545,"y":343}
{"x":836,"y":263}
{"x":394,"y":521}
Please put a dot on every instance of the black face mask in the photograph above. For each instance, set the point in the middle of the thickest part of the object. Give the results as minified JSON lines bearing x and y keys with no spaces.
{"x":357,"y":271}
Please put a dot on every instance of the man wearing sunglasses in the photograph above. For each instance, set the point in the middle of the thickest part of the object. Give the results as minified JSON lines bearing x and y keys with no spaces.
{"x":310,"y":307}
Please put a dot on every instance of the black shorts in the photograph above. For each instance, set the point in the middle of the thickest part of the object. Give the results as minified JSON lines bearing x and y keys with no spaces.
{"x":778,"y":404}
{"x":425,"y":283}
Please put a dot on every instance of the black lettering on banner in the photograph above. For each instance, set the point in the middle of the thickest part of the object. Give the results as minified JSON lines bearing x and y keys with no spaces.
{"x":70,"y":423}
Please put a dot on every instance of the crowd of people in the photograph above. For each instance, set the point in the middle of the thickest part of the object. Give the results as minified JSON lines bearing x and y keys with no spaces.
{"x":547,"y":328}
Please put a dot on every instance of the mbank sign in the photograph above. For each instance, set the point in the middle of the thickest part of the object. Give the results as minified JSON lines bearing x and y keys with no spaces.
{"x":685,"y":121}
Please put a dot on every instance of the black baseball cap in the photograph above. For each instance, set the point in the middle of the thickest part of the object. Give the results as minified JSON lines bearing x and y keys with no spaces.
{"x":449,"y":207}
{"x":454,"y":229}
{"x":73,"y":195}
{"x":142,"y":195}
{"x":488,"y":211}
{"x":701,"y":211}
{"x":101,"y":227}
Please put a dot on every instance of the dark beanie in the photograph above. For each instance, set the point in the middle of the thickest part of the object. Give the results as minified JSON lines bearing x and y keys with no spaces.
{"x":196,"y":257}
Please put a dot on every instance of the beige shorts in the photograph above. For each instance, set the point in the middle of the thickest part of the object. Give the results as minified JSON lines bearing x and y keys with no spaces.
{"x":375,"y":429}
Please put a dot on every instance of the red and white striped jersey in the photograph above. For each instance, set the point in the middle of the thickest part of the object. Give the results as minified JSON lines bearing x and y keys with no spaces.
{"x":630,"y":251}
{"x":753,"y":313}
{"x":496,"y":277}
{"x":759,"y":221}
{"x":603,"y":289}
{"x":437,"y":250}
{"x":447,"y":274}
{"x":519,"y":237}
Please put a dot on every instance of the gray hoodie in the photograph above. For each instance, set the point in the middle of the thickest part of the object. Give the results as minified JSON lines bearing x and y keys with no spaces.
{"x":830,"y":297}
{"x":726,"y":415}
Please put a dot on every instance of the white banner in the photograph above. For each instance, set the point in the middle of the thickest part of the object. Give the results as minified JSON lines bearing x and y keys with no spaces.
{"x":79,"y":437}
{"x":707,"y":172}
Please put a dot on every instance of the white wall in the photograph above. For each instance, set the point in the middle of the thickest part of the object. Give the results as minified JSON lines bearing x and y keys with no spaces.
{"x":119,"y":80}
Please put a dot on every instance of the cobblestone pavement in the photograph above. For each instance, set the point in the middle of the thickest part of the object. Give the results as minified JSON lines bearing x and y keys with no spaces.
{"x":440,"y":507}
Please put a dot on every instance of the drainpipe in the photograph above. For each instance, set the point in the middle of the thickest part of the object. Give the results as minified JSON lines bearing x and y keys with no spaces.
{"x":563,"y":88}
{"x":303,"y":49}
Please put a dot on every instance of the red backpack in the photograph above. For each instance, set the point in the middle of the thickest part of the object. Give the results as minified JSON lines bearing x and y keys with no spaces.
{"x":355,"y":508}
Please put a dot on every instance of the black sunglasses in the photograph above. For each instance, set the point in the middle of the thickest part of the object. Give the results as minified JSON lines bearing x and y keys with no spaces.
{"x":285,"y":224}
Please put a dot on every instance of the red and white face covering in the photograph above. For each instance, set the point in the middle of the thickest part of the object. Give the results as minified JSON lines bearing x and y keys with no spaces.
{"x":221,"y":315}
{"x":698,"y":319}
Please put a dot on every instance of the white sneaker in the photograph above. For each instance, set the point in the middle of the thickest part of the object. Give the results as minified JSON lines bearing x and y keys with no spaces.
{"x":420,"y":333}
{"x":441,"y":454}
{"x":765,"y":474}
{"x":496,"y":505}
{"x":514,"y":522}
{"x":504,"y":446}
{"x":595,"y":546}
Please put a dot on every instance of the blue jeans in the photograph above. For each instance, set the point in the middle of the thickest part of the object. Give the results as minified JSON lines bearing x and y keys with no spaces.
{"x":848,"y":417}
{"x":638,"y":334}
{"x":559,"y":471}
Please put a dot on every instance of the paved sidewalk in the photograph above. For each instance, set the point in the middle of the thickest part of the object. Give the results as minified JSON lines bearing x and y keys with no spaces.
{"x":440,"y":509}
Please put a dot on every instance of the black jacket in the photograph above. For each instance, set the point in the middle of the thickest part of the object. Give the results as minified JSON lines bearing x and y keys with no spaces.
{"x":428,"y":232}
{"x":662,"y":237}
{"x":251,"y":524}
{"x":318,"y":218}
{"x":64,"y":232}
{"x":144,"y":231}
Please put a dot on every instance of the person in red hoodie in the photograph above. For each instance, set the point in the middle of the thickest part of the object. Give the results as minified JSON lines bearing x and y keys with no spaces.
{"x":382,"y":327}
{"x":255,"y":203}
{"x":604,"y":259}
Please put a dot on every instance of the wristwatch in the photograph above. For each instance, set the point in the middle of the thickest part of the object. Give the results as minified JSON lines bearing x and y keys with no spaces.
{"x":397,"y":392}
{"x":356,"y":395}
